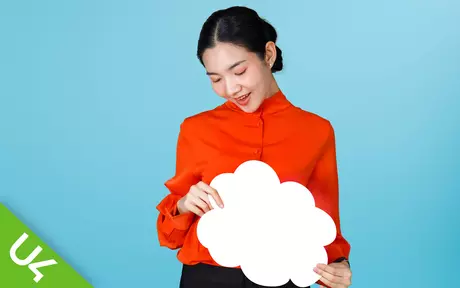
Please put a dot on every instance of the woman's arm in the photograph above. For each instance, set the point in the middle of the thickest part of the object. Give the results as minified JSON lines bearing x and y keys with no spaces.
{"x":172,"y":227}
{"x":324,"y":186}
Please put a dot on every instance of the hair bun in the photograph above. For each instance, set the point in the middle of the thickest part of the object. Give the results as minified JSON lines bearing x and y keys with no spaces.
{"x":271,"y":35}
{"x":269,"y":31}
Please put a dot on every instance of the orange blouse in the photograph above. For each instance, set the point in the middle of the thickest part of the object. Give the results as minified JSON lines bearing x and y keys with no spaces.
{"x":298,"y":145}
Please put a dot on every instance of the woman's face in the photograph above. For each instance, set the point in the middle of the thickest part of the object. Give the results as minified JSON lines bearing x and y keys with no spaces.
{"x":239,"y":75}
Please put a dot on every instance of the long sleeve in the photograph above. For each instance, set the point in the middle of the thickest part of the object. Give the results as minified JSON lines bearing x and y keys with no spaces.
{"x":171,"y":226}
{"x":324,"y":185}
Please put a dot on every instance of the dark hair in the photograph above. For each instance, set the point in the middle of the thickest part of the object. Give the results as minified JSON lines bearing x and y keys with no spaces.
{"x":241,"y":26}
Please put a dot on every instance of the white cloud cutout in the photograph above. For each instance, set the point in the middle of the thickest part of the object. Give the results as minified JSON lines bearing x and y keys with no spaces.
{"x":272,"y":230}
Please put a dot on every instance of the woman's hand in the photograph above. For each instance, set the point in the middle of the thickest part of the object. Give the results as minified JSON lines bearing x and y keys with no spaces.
{"x":335,"y":275}
{"x":197,"y":201}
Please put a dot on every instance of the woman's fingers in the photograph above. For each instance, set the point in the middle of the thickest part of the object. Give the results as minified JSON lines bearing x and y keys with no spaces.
{"x":197,"y":192}
{"x":332,"y":276}
{"x":331,"y":284}
{"x":197,"y":200}
{"x":194,"y":209}
{"x":326,"y":281}
{"x":211,"y":191}
{"x":200,"y":203}
{"x":328,"y":278}
{"x":332,"y":270}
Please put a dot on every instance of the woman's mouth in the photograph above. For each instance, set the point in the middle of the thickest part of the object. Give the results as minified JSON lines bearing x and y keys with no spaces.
{"x":243,"y":100}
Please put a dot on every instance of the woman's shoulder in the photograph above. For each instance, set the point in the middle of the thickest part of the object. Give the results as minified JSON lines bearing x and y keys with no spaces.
{"x":201,"y":119}
{"x":318,"y":127}
{"x":315,"y":120}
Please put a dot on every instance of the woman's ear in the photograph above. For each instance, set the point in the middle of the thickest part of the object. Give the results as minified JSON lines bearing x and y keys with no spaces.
{"x":270,"y":53}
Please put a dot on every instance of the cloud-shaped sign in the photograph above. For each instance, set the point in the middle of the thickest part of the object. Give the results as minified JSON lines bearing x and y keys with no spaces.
{"x":272,"y":230}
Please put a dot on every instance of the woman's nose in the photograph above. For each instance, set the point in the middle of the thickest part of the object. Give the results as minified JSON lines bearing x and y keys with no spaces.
{"x":233,"y":89}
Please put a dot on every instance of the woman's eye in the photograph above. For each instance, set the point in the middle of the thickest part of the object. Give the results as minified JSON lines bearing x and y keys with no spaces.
{"x":215,"y":80}
{"x":241,"y":73}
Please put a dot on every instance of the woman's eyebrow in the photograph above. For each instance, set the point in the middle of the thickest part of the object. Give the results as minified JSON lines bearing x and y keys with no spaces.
{"x":229,"y":68}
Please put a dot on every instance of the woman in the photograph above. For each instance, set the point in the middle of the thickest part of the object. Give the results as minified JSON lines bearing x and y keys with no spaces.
{"x":238,"y":51}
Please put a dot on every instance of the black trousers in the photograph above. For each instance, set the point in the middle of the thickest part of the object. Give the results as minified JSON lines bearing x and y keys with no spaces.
{"x":209,"y":276}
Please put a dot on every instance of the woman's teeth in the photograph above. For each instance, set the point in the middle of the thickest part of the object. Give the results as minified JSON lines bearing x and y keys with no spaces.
{"x":243,"y":97}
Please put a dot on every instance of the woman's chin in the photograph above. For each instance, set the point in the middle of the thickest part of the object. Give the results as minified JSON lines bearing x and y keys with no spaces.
{"x":250,"y":108}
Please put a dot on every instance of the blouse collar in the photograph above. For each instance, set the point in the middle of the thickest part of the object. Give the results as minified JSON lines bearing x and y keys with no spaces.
{"x":273,"y":104}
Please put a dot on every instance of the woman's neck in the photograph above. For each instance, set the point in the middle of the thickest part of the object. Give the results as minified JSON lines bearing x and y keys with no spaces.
{"x":273,"y":89}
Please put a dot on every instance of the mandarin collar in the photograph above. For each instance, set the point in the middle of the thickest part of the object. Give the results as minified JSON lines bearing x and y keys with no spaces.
{"x":273,"y":104}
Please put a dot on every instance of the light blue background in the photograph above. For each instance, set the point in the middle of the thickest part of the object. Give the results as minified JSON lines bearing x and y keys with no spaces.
{"x":92,"y":94}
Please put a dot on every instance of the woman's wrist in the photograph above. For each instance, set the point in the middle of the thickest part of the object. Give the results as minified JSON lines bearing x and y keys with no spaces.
{"x":342,"y":260}
{"x":179,"y":209}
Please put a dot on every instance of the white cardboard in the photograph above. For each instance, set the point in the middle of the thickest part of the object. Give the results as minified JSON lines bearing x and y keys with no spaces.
{"x":272,"y":230}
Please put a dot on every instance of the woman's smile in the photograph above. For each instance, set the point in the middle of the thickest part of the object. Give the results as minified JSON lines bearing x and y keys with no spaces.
{"x":243,"y":100}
